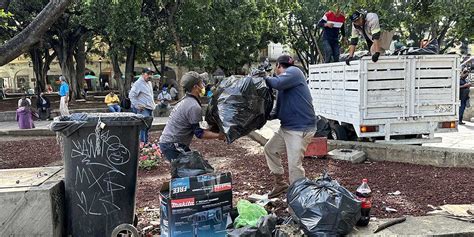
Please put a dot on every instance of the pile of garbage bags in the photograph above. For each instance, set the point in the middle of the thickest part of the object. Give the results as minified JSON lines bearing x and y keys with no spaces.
{"x":190,"y":163}
{"x":239,"y":105}
{"x":323,"y":207}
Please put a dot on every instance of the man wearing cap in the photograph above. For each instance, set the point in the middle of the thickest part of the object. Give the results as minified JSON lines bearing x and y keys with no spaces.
{"x":295,"y":110}
{"x":141,"y":98}
{"x":332,"y":23}
{"x":184,"y":119}
{"x":366,"y":25}
{"x":64,"y":94}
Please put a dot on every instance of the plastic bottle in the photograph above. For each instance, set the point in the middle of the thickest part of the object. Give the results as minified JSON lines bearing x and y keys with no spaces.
{"x":363,"y":193}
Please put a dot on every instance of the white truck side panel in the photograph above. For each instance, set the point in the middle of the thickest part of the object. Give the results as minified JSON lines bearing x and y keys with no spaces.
{"x":402,"y":94}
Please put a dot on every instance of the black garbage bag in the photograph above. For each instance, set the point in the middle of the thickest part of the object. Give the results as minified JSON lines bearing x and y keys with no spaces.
{"x":265,"y":227}
{"x":239,"y":105}
{"x":323,"y":129}
{"x":189,"y":163}
{"x":431,"y":48}
{"x":323,"y":207}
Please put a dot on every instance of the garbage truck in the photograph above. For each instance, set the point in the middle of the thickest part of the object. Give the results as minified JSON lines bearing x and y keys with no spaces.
{"x":402,"y":99}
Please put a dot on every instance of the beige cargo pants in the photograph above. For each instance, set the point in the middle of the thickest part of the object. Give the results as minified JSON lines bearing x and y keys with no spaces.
{"x":294,"y":143}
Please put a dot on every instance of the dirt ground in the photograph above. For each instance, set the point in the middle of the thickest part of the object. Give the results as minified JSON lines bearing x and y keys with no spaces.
{"x":419,"y":185}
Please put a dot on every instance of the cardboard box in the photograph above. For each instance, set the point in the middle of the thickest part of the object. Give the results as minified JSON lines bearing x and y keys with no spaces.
{"x":200,"y":185}
{"x":196,"y":206}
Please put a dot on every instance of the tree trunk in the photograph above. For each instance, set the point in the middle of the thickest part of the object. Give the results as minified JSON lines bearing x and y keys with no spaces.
{"x":37,"y":60}
{"x":32,"y":34}
{"x":118,"y":76}
{"x":177,"y":40}
{"x":129,"y":67}
{"x":80,"y":57}
{"x":66,"y":61}
{"x":162,"y":61}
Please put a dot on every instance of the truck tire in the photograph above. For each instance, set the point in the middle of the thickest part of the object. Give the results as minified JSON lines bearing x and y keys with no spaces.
{"x":338,"y":132}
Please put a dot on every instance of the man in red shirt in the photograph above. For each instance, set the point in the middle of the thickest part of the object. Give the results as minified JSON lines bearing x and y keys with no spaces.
{"x":332,"y":23}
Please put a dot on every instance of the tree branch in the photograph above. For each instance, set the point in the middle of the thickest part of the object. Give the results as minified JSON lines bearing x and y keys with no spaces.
{"x":33,"y":32}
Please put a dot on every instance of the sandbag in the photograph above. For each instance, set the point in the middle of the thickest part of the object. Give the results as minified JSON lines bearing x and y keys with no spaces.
{"x":323,"y":207}
{"x":188,"y":164}
{"x":239,"y":105}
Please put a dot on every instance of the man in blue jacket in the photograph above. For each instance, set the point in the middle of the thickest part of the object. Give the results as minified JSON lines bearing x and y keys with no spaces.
{"x":295,"y":110}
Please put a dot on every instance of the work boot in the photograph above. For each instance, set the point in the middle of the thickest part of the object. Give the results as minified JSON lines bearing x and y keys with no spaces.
{"x":279,"y":186}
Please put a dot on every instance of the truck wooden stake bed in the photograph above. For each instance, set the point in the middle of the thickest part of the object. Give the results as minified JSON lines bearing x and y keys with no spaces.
{"x":396,"y":98}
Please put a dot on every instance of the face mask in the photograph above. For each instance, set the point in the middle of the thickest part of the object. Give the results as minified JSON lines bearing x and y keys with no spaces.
{"x":203,"y":92}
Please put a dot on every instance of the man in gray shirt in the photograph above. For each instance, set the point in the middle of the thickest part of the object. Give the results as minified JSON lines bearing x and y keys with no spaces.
{"x":184,"y":120}
{"x":141,"y":98}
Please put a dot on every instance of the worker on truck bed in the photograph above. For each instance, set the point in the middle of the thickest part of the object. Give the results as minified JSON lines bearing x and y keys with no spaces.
{"x":365,"y":25}
{"x":332,"y":23}
{"x":295,"y":110}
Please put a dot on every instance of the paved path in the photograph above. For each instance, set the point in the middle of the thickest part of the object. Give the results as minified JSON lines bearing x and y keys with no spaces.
{"x":10,"y":128}
{"x":463,"y":139}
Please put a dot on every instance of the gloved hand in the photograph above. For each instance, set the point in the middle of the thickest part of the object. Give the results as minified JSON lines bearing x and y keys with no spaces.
{"x":348,"y":60}
{"x":375,"y":57}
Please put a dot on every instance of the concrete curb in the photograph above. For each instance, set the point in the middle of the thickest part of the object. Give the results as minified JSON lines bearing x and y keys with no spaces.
{"x":421,"y":155}
{"x":46,"y":132}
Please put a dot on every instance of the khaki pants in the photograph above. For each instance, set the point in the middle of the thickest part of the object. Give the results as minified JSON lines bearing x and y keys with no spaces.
{"x":63,"y":106}
{"x":295,"y":143}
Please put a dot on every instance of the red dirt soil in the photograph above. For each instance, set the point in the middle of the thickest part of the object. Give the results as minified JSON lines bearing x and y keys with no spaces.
{"x":419,"y":185}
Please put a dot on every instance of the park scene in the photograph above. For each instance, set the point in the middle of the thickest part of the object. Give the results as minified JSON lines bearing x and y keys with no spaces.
{"x":236,"y":118}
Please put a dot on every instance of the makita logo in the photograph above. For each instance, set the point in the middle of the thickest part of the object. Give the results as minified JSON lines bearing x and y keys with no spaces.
{"x":185,"y":202}
{"x":222,"y":187}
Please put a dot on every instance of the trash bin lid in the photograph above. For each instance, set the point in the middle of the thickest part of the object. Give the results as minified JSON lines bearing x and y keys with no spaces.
{"x":26,"y":177}
{"x":67,"y":125}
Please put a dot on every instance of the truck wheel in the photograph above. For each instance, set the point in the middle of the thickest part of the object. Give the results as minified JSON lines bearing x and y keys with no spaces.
{"x":338,"y":132}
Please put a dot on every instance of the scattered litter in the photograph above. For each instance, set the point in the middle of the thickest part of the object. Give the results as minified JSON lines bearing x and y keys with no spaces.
{"x":390,"y":223}
{"x":391,"y":210}
{"x":396,"y":193}
{"x":249,"y":214}
{"x":17,"y":182}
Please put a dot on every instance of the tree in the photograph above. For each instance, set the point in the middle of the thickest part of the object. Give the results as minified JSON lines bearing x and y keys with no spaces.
{"x":32,"y":34}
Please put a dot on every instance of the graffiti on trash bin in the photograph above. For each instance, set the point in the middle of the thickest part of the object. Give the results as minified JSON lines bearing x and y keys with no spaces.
{"x":97,"y":175}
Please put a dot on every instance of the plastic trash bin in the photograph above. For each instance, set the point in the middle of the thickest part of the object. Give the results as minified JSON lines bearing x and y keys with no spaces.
{"x":100,"y":153}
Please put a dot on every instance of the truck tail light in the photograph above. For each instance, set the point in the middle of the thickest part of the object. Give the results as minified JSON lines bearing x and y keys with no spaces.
{"x":364,"y":129}
{"x":450,"y":124}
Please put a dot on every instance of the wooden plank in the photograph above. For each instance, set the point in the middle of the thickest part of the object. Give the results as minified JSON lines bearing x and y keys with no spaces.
{"x":392,"y":84}
{"x":26,"y":177}
{"x":430,"y":73}
{"x":441,"y":82}
{"x":435,"y":63}
{"x":386,"y":75}
{"x":386,"y":64}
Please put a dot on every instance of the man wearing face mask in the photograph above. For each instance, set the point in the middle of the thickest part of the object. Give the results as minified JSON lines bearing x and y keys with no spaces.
{"x":184,"y":119}
{"x":295,"y":110}
{"x":141,"y":98}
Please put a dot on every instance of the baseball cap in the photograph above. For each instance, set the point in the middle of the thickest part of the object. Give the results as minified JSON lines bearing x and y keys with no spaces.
{"x":286,"y":59}
{"x":147,"y":70}
{"x":356,"y":15}
{"x":190,"y":79}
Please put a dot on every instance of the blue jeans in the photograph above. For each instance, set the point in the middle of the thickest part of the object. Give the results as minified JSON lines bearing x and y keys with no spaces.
{"x":114,"y":108}
{"x":331,"y":49}
{"x":144,"y":132}
{"x":462,"y":107}
{"x":170,"y":150}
